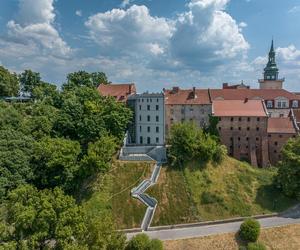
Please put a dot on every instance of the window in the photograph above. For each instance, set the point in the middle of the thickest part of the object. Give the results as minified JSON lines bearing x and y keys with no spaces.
{"x":140,"y":107}
{"x":231,"y":128}
{"x":140,"y":118}
{"x":141,"y":139}
{"x":157,"y":118}
{"x":148,"y":118}
{"x":219,"y":128}
{"x":269,"y":104}
{"x":147,"y":100}
{"x":231,"y":119}
{"x":157,"y":140}
{"x":191,"y":109}
{"x":276,"y":143}
{"x":157,"y":129}
{"x":248,"y":128}
{"x":248,"y":119}
{"x":258,"y":119}
{"x":283,"y":104}
{"x":240,"y":119}
{"x":295,"y":104}
{"x":157,"y":100}
{"x":281,"y":115}
{"x":239,"y":128}
{"x":280,"y":136}
{"x":257,"y":138}
{"x":150,"y":100}
{"x":275,"y":151}
{"x":269,"y":135}
{"x":172,"y":111}
{"x":148,"y":129}
{"x":239,"y":138}
{"x":231,"y":138}
{"x":182,"y":110}
{"x":148,"y":107}
{"x":247,"y":138}
{"x":148,"y":140}
{"x":140,"y":128}
{"x":157,"y":107}
{"x":220,"y":119}
{"x":257,"y":129}
{"x":143,"y":100}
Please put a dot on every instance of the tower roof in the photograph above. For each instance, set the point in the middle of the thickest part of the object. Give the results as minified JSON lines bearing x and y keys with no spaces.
{"x":271,"y":70}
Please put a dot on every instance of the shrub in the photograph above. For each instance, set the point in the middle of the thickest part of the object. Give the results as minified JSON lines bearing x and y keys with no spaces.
{"x":156,"y":244}
{"x":256,"y":246}
{"x":138,"y":242}
{"x":249,"y":230}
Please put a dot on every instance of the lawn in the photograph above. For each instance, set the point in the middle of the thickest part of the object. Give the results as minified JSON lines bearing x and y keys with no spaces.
{"x":279,"y":238}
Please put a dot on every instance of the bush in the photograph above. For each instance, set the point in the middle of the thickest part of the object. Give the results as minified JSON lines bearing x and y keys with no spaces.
{"x":143,"y":242}
{"x":256,"y":246}
{"x":249,"y":230}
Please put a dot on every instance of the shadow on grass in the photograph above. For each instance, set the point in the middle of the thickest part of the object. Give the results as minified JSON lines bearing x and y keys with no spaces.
{"x":242,"y":244}
{"x":271,"y":198}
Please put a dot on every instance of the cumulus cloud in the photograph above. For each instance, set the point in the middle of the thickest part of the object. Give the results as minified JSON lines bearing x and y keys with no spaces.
{"x":289,"y":54}
{"x":78,"y":13}
{"x":125,"y":3}
{"x":34,"y":26}
{"x":129,"y":31}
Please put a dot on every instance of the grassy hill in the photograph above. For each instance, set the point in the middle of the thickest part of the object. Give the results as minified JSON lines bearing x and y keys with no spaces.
{"x":198,"y":193}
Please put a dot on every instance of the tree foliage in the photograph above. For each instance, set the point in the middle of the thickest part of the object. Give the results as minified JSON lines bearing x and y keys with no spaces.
{"x":289,"y":168}
{"x":250,"y":230}
{"x":143,"y":242}
{"x":29,"y":80}
{"x":188,"y":142}
{"x":9,"y":84}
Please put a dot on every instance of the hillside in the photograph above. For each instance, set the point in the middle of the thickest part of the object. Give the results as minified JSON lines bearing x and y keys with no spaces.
{"x":198,"y":193}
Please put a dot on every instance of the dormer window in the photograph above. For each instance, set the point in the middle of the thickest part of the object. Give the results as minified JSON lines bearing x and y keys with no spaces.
{"x":295,"y":104}
{"x":269,"y":104}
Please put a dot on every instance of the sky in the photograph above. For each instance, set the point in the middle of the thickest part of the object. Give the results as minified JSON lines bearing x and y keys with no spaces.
{"x":154,"y":43}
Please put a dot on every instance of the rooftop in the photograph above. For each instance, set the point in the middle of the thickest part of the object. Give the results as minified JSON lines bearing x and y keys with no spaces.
{"x":283,"y":125}
{"x":239,"y":108}
{"x":119,"y":91}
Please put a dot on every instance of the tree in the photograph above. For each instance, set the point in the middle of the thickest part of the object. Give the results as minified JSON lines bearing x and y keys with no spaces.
{"x":10,"y":117}
{"x":83,"y":78}
{"x":55,"y":162}
{"x":47,"y":93}
{"x":289,"y":168}
{"x":143,"y":242}
{"x":9,"y":84}
{"x":29,"y":80}
{"x":39,"y":219}
{"x":99,"y":155}
{"x":16,"y":150}
{"x":249,"y":230}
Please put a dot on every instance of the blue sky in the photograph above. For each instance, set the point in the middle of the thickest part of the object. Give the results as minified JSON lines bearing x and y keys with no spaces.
{"x":153,"y":43}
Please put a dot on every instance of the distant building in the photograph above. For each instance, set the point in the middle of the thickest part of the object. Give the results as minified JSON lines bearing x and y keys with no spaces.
{"x":279,"y":102}
{"x":182,"y":105}
{"x":236,"y":86}
{"x":280,"y":130}
{"x":120,"y":92}
{"x":148,"y":127}
{"x":271,"y":72}
{"x":243,"y":129}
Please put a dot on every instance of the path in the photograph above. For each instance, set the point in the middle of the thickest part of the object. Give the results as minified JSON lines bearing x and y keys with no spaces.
{"x":151,"y":203}
{"x":292,"y":216}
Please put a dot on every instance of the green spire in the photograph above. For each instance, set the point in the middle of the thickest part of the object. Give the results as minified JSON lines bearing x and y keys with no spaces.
{"x":271,"y":70}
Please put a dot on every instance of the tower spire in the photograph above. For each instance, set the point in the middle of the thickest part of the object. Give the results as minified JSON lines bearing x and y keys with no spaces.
{"x":271,"y":71}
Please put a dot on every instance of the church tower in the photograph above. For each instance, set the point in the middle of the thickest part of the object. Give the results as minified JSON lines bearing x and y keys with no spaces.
{"x":271,"y":80}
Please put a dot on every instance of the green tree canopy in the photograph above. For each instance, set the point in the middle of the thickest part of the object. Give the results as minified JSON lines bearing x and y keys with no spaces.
{"x":289,"y":168}
{"x":29,"y":80}
{"x":143,"y":242}
{"x":9,"y":84}
{"x":55,"y":162}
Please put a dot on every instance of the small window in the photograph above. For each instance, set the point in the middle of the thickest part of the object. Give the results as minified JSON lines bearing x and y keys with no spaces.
{"x":140,"y":107}
{"x":148,"y":129}
{"x":257,"y":138}
{"x":140,"y":118}
{"x":147,"y":100}
{"x":248,"y":119}
{"x":276,"y":143}
{"x":219,"y":128}
{"x":231,"y":119}
{"x":240,"y":128}
{"x":148,"y":118}
{"x":157,"y":100}
{"x":240,"y":119}
{"x":157,"y":129}
{"x":157,"y":118}
{"x":269,"y":104}
{"x":140,"y":128}
{"x":157,"y":140}
{"x":148,"y":140}
{"x":231,"y":138}
{"x":295,"y":104}
{"x":275,"y":151}
{"x":141,"y":139}
{"x":150,"y":100}
{"x":258,"y":119}
{"x":280,"y":136}
{"x":143,"y":100}
{"x":281,"y":115}
{"x":257,"y":129}
{"x":248,"y":128}
{"x":231,"y":128}
{"x":239,"y":138}
{"x":220,"y":119}
{"x":157,"y":107}
{"x":269,"y":135}
{"x":247,"y":138}
{"x":148,"y":107}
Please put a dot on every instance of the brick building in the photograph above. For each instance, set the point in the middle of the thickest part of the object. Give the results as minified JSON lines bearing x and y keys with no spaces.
{"x":243,"y":129}
{"x":187,"y":105}
{"x":120,"y":92}
{"x":280,"y":130}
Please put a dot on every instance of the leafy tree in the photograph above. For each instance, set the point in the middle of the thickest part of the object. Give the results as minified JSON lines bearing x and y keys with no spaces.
{"x":212,"y":127}
{"x":47,"y":93}
{"x":15,"y":155}
{"x":99,"y":155}
{"x":83,"y":78}
{"x":43,"y":218}
{"x":289,"y":168}
{"x":9,"y":84}
{"x":55,"y":162}
{"x":249,"y":230}
{"x":188,"y":142}
{"x":10,"y":117}
{"x":143,"y":242}
{"x":29,"y":80}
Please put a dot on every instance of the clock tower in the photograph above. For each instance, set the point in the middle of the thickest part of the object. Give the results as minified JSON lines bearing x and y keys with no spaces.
{"x":271,"y":80}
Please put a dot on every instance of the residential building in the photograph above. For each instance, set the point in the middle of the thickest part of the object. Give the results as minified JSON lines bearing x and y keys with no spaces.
{"x":279,"y":102}
{"x":120,"y":92}
{"x":182,"y":105}
{"x":271,"y":72}
{"x":236,"y":86}
{"x":148,"y":127}
{"x":280,"y":130}
{"x":243,"y":129}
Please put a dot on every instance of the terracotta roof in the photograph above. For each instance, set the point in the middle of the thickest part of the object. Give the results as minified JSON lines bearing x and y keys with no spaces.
{"x":283,"y":125}
{"x":239,"y":108}
{"x":241,"y":94}
{"x":119,"y":91}
{"x":186,"y":96}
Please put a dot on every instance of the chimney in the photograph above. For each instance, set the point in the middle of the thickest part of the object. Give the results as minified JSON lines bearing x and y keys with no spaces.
{"x":246,"y":100}
{"x":175,"y":90}
{"x":194,"y":93}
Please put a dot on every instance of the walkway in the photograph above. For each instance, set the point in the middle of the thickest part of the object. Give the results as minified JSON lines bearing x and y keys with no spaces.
{"x":290,"y":217}
{"x":151,"y":203}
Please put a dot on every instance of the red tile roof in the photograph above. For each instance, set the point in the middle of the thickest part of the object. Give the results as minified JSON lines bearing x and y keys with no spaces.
{"x":186,"y":96}
{"x":119,"y":91}
{"x":239,"y":108}
{"x":241,"y":94}
{"x":283,"y":125}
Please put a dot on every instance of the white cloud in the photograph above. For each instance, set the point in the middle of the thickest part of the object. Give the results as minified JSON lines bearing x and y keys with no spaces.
{"x":243,"y":24}
{"x":78,"y":13}
{"x":289,"y":54}
{"x":125,"y":3}
{"x":294,"y":9}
